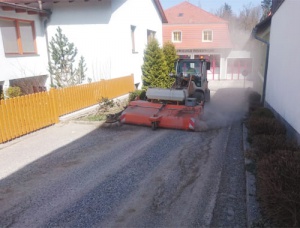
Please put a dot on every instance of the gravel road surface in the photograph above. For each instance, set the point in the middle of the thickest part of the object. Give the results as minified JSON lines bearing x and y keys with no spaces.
{"x":131,"y":176}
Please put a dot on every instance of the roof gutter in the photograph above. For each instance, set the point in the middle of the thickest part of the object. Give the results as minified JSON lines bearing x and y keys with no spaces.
{"x":48,"y":48}
{"x":254,"y":34}
{"x":41,"y":12}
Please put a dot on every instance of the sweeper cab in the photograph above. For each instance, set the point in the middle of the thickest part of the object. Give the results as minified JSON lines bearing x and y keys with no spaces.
{"x":179,"y":107}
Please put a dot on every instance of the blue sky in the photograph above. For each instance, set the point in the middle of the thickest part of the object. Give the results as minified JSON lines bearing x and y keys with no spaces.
{"x":213,"y":5}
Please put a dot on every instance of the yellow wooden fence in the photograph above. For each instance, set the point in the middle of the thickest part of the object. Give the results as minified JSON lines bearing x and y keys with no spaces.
{"x":25,"y":114}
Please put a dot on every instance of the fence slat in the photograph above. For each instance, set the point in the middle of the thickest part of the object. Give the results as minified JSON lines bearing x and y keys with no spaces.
{"x":3,"y":131}
{"x":11,"y":116}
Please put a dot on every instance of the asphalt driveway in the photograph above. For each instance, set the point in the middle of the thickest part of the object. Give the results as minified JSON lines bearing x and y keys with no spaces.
{"x":83,"y":175}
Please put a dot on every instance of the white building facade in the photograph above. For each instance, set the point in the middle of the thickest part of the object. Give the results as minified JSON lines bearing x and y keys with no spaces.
{"x":197,"y":33}
{"x":111,"y":35}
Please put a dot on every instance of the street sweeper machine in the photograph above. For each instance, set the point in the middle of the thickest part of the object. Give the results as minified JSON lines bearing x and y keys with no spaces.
{"x":178,"y":107}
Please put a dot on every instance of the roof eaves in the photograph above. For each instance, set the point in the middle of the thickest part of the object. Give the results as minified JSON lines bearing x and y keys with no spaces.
{"x":27,"y":9}
{"x":267,"y":21}
{"x":264,"y":23}
{"x":276,"y":5}
{"x":161,"y":11}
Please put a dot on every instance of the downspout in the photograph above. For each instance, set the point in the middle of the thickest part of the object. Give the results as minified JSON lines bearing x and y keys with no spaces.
{"x":47,"y":45}
{"x":254,"y":34}
{"x":46,"y":36}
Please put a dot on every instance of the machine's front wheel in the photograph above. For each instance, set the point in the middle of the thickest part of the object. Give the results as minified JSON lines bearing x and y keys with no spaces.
{"x":207,"y":95}
{"x":199,"y":95}
{"x":154,"y":126}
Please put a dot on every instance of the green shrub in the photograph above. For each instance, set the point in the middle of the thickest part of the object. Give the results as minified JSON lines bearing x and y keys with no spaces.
{"x":137,"y":94}
{"x":13,"y":91}
{"x":105,"y":104}
{"x":279,"y":187}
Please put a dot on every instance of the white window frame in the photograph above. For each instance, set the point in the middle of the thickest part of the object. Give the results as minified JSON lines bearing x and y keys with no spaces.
{"x":204,"y":39}
{"x":173,"y":36}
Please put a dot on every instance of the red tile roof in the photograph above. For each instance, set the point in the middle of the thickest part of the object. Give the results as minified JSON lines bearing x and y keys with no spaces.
{"x":187,"y":13}
{"x":192,"y":21}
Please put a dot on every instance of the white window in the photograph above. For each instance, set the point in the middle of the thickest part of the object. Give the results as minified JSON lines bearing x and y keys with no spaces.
{"x":18,"y":36}
{"x":176,"y":36}
{"x":150,"y":35}
{"x":207,"y":36}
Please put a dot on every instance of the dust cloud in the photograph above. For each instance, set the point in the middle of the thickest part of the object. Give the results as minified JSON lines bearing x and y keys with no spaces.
{"x":226,"y":106}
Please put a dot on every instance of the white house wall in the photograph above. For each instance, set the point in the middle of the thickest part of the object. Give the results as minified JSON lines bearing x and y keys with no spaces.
{"x":239,"y":54}
{"x":144,"y":16}
{"x":101,"y":30}
{"x":86,"y":25}
{"x":15,"y":67}
{"x":283,"y":79}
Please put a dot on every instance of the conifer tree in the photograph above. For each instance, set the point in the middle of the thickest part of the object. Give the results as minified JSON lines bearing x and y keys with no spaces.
{"x":155,"y":69}
{"x":61,"y":67}
{"x":81,"y":71}
{"x":170,"y":56}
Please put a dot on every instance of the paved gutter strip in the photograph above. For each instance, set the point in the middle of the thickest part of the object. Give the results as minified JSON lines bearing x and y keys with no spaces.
{"x":231,"y":201}
{"x":253,"y":211}
{"x":209,"y":216}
